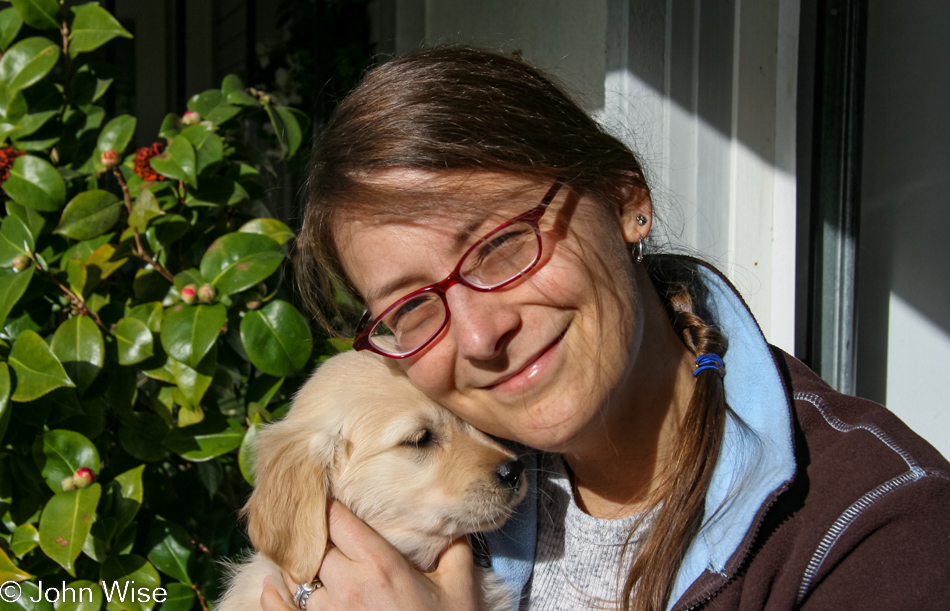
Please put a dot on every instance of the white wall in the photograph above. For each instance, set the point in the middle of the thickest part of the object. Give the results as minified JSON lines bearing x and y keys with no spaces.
{"x":704,"y":92}
{"x":903,"y":279}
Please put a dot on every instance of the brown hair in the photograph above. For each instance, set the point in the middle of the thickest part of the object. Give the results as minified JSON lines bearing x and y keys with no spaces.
{"x":457,"y":108}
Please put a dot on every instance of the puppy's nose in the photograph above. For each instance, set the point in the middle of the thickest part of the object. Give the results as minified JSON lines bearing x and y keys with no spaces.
{"x":509,"y":473}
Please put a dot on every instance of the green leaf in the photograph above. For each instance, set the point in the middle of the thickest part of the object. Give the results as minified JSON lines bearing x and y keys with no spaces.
{"x":33,"y":219}
{"x":117,"y":134}
{"x":204,"y":103}
{"x":212,"y":106}
{"x":166,"y":230}
{"x":78,"y":345}
{"x":180,"y":597}
{"x":296,"y":125}
{"x":150,"y":313}
{"x":89,"y":215}
{"x":92,"y":27}
{"x":145,"y":209}
{"x":38,"y":371}
{"x":15,"y":239}
{"x":26,"y":63}
{"x":76,"y":275}
{"x":128,"y":496}
{"x":217,"y":191}
{"x":30,"y":110}
{"x":203,"y":441}
{"x":272,"y":228}
{"x":107,"y":259}
{"x":59,"y":453}
{"x":133,"y":570}
{"x":236,"y":261}
{"x":10,"y":24}
{"x":65,"y":524}
{"x":36,"y":184}
{"x":133,"y":340}
{"x":24,"y":539}
{"x":277,"y":339}
{"x":91,"y":82}
{"x":12,"y":286}
{"x":28,"y":594}
{"x":141,"y":435}
{"x":6,"y":408}
{"x":177,"y":161}
{"x":193,"y":383}
{"x":170,"y":549}
{"x":39,"y":14}
{"x":209,"y":148}
{"x":87,"y":597}
{"x":262,"y":390}
{"x":233,"y":90}
{"x":246,"y":453}
{"x":189,"y":332}
{"x":188,"y":276}
{"x":10,"y":571}
{"x":171,"y":126}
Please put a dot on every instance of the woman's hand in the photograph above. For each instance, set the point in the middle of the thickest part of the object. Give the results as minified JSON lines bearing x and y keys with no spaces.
{"x":362,"y":571}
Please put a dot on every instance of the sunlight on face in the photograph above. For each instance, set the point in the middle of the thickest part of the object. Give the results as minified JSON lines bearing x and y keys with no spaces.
{"x":535,"y":361}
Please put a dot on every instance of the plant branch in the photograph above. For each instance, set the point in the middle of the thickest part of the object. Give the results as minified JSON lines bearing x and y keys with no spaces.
{"x":78,"y":304}
{"x":142,"y":253}
{"x":201,"y":599}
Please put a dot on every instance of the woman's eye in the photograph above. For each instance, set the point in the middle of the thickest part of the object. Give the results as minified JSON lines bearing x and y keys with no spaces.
{"x":498,"y":247}
{"x":420,"y":439}
{"x":402,"y":313}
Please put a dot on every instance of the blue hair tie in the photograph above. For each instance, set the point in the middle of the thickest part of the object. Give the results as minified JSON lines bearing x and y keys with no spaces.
{"x":709,"y":361}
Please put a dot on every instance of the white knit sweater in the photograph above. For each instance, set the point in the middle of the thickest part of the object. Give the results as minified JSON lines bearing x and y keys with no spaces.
{"x":578,"y":557}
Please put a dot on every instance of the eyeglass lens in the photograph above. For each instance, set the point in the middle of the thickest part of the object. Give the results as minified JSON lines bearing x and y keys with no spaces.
{"x":496,"y":259}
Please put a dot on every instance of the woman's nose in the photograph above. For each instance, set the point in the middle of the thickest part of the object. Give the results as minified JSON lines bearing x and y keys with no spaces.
{"x":482,"y":323}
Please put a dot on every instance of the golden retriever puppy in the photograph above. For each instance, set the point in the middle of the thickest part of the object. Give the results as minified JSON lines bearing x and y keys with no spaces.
{"x":358,"y":431}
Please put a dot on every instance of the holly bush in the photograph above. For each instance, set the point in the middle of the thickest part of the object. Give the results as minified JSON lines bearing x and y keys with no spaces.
{"x":146,"y":331}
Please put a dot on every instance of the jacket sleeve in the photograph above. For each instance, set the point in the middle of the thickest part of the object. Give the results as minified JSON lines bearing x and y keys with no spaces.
{"x":889,"y":550}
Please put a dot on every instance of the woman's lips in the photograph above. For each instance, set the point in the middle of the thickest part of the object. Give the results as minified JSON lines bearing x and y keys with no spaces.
{"x":526,"y":375}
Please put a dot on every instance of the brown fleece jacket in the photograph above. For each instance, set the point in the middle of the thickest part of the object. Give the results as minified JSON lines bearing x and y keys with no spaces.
{"x":864,"y":523}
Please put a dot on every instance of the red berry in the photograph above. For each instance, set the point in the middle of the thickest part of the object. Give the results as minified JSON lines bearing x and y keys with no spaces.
{"x":83,"y":477}
{"x":189,"y":294}
{"x":109,"y":158}
{"x":207,"y":293}
{"x":190,"y":118}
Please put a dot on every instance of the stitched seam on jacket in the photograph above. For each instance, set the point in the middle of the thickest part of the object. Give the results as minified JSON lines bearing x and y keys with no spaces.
{"x":855,"y":510}
{"x":845,"y":520}
{"x":844,"y":427}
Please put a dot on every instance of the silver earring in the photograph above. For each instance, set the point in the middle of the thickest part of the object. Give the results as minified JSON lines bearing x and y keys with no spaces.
{"x":638,"y":251}
{"x":641,"y":220}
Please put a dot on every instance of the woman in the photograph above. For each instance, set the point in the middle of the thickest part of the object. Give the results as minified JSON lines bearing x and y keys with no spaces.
{"x":495,"y":235}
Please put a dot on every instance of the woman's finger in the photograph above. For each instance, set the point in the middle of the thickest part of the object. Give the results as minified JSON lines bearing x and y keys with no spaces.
{"x":289,"y":582}
{"x":455,"y":574}
{"x":271,"y":599}
{"x":352,"y":536}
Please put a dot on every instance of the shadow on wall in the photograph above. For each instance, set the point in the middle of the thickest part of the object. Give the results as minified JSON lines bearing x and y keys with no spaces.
{"x":906,"y":178}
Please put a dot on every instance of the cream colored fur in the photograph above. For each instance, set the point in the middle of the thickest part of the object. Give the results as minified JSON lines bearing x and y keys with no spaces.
{"x":349,"y":435}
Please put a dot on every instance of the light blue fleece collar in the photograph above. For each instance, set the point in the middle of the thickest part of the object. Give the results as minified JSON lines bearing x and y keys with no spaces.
{"x":756,"y":455}
{"x":755,"y":459}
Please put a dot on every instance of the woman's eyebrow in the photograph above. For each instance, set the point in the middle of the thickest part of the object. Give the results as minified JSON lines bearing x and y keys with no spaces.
{"x":396,"y":285}
{"x":465,"y":232}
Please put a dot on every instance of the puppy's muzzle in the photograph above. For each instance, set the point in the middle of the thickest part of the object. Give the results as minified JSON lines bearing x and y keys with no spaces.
{"x":510,"y":473}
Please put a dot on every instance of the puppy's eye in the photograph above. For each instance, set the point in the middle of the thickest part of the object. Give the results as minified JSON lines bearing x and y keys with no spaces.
{"x":420,"y":439}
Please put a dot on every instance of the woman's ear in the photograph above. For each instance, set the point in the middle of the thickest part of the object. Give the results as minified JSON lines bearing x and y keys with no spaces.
{"x":636,"y":212}
{"x":287,"y":512}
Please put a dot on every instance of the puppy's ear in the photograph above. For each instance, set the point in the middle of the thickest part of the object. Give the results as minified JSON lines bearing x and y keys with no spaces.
{"x":287,"y":512}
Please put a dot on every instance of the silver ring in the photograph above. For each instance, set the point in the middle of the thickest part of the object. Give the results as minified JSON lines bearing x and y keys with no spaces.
{"x":304,"y":590}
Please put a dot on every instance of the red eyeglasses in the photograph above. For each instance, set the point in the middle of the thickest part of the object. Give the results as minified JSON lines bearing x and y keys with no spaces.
{"x":496,"y":260}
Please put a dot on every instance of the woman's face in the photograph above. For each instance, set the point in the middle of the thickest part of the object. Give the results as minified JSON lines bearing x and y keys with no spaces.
{"x":541,"y":361}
